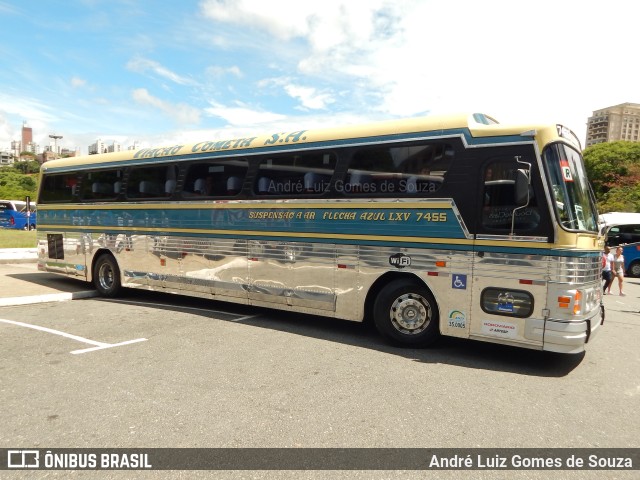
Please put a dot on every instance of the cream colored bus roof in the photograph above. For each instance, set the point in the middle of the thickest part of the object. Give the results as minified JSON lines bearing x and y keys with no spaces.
{"x":470,"y":122}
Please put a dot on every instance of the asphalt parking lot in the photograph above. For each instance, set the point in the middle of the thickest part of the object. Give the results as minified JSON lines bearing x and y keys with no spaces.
{"x":153,"y":370}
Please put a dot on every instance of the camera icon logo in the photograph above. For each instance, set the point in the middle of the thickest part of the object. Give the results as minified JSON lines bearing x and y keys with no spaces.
{"x":23,"y":459}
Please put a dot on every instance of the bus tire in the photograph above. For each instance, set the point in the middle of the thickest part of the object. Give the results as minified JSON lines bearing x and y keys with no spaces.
{"x":106,"y":276}
{"x":406,"y":314}
{"x":634,"y":269}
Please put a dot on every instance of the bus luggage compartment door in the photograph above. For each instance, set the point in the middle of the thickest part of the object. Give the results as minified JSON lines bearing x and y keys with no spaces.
{"x":504,"y":293}
{"x":292,"y":273}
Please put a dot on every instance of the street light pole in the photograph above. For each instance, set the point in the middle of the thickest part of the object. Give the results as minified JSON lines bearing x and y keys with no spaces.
{"x":55,"y":143}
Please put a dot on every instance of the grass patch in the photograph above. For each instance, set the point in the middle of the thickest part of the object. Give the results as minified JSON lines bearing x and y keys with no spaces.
{"x":17,"y":238}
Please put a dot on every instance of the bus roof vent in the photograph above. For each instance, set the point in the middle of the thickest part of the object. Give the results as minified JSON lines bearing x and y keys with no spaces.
{"x":483,"y":119}
{"x":528,"y":133}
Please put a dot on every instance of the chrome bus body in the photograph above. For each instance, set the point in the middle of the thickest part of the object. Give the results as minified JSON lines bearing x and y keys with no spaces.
{"x":335,"y":256}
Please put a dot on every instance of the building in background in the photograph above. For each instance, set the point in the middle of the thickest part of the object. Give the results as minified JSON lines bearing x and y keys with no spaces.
{"x":98,"y":147}
{"x":27,"y":140}
{"x":610,"y":124}
{"x":16,"y":148}
{"x":48,"y":155}
{"x":6,"y":158}
{"x":27,"y":135}
{"x":27,"y":146}
{"x":101,"y":147}
{"x":67,"y":152}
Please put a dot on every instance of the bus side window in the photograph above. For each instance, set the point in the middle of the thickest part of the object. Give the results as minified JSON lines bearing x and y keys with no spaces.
{"x":215,"y":178}
{"x":100,"y":185}
{"x":295,"y":175}
{"x":417,"y":169}
{"x":499,"y":202}
{"x":59,"y":188}
{"x":630,"y":234}
{"x":149,"y":182}
{"x":613,"y":237}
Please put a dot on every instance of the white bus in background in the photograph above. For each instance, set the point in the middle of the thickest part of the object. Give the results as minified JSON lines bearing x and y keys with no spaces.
{"x":623,"y":229}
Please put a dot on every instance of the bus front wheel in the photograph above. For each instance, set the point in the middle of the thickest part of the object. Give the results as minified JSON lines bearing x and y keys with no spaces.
{"x":406,"y":314}
{"x":106,"y":276}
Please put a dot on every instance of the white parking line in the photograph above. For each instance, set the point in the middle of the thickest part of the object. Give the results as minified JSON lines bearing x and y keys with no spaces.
{"x":108,"y":345}
{"x":97,"y":345}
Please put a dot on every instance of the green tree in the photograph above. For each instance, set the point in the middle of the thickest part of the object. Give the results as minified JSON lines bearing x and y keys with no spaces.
{"x":29,"y":166}
{"x":614,"y":172}
{"x":16,"y":186}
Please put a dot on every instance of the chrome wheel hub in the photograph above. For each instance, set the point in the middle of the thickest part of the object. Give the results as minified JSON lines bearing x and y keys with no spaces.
{"x":410,"y":314}
{"x":105,"y":276}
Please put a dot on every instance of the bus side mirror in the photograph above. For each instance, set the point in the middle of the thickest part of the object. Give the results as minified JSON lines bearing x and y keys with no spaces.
{"x":521,"y":193}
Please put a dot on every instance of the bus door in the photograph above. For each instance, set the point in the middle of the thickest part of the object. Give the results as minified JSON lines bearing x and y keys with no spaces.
{"x":509,"y":285}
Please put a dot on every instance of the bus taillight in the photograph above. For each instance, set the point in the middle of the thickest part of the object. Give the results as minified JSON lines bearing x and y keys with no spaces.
{"x":565,"y":301}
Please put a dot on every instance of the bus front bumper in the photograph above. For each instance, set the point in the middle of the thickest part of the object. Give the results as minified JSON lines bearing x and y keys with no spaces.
{"x":571,"y":337}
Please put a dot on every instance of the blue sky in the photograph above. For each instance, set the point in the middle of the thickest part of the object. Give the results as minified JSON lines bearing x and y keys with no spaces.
{"x":160,"y":72}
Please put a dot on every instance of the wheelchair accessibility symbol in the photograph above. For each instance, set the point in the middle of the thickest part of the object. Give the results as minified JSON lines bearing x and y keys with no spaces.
{"x":459,"y":281}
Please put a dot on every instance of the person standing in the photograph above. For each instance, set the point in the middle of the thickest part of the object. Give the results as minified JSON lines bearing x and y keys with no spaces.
{"x":607,"y":272}
{"x":618,"y":268}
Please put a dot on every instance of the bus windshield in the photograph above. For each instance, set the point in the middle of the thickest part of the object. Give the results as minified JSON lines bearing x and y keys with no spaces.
{"x":568,"y":178}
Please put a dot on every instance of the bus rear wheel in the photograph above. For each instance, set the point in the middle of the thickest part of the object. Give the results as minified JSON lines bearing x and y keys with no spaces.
{"x":106,"y":276}
{"x":406,"y":314}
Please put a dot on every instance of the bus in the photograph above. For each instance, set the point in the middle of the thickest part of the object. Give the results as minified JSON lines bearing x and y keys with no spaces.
{"x":623,"y":229}
{"x":18,"y":214}
{"x":443,"y":225}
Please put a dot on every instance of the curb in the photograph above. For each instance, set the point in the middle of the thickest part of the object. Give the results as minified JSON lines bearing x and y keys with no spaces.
{"x":18,"y":260}
{"x":51,"y":297}
{"x":18,"y":255}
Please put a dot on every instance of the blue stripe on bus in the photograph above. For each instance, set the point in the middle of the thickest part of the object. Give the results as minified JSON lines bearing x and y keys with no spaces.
{"x":400,"y":222}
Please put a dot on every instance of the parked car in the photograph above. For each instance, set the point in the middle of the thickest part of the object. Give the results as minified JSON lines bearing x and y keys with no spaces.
{"x":14,"y":214}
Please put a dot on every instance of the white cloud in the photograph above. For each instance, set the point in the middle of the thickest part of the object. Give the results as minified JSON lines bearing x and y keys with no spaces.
{"x":219,"y":72}
{"x":14,"y":110}
{"x":365,"y":60}
{"x":77,"y":82}
{"x":241,"y":115}
{"x":281,"y":18}
{"x":8,"y":9}
{"x":310,"y":97}
{"x":182,"y":113}
{"x":332,"y":29}
{"x":8,"y":133}
{"x":143,"y":65}
{"x":415,"y":56}
{"x":248,"y":122}
{"x":29,"y":109}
